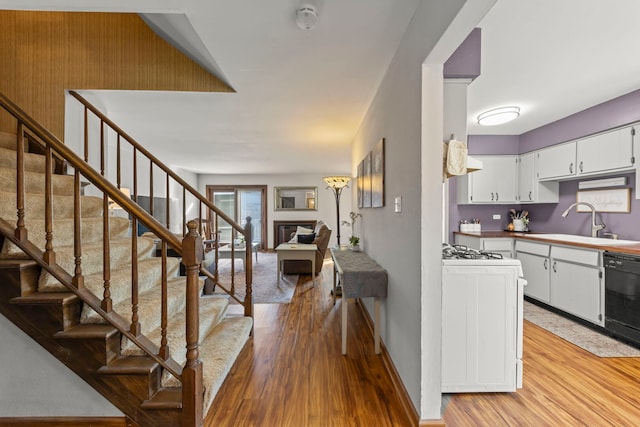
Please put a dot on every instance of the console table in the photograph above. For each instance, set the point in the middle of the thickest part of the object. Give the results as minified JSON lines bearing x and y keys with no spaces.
{"x":361,"y":277}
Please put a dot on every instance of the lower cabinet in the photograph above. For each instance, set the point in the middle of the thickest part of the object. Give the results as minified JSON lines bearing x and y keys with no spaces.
{"x":576,"y":283}
{"x":567,"y":278}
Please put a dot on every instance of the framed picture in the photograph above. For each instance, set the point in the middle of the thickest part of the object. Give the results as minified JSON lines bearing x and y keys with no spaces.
{"x":360,"y":184}
{"x":377,"y":175}
{"x":611,"y":200}
{"x":366,"y":181}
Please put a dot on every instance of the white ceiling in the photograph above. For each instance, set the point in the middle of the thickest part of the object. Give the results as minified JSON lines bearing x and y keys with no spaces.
{"x":300,"y":96}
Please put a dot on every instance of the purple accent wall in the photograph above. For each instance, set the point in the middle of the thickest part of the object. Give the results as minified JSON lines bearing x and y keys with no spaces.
{"x":610,"y":114}
{"x":493,"y":144}
{"x":466,"y":60}
{"x":547,"y":218}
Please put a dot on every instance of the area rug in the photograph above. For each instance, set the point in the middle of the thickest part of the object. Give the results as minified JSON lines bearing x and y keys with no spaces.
{"x":265,"y":287}
{"x":593,"y":341}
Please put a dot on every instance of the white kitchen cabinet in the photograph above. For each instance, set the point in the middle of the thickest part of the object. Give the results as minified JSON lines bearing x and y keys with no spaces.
{"x":530,"y":189}
{"x":567,"y":278}
{"x":496,"y":183}
{"x":606,"y":152}
{"x":576,"y":284}
{"x":535,"y":265}
{"x":557,"y":162}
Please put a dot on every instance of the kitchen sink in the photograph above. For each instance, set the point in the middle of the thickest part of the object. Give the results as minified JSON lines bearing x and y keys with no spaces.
{"x":573,"y":238}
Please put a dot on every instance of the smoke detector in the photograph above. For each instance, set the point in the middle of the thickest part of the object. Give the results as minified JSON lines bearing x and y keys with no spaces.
{"x":306,"y":17}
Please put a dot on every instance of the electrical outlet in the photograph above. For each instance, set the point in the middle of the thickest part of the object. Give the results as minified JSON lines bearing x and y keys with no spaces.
{"x":497,"y":216}
{"x":398,"y":204}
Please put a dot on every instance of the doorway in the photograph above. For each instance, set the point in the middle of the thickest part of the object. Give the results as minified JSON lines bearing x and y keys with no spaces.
{"x":239,"y":202}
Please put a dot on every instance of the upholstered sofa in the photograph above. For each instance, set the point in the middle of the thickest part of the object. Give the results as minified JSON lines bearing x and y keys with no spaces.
{"x":322,"y":235}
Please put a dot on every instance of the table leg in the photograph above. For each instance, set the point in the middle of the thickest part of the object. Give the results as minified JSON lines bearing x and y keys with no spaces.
{"x":278,"y":270}
{"x":335,"y":273}
{"x":313,"y":269}
{"x":376,"y":324}
{"x":345,"y":302}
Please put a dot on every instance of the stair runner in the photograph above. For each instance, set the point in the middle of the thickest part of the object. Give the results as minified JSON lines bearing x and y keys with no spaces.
{"x":222,"y":336}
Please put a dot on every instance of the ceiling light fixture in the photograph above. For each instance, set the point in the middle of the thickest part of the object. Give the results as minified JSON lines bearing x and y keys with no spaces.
{"x":498,"y":116}
{"x":306,"y":17}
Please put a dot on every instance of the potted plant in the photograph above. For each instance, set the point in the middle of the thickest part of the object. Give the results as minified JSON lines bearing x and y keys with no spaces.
{"x":355,"y":243}
{"x":353,"y":240}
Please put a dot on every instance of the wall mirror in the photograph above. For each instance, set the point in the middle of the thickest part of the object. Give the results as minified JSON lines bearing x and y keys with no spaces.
{"x":295,"y":198}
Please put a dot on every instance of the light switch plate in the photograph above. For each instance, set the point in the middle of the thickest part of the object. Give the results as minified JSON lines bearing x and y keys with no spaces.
{"x":398,"y":204}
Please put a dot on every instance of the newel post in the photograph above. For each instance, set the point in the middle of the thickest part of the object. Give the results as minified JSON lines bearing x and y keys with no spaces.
{"x":248,"y":299}
{"x":192,"y":388}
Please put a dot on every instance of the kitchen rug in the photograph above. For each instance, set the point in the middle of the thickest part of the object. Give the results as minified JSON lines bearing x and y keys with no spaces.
{"x":593,"y":341}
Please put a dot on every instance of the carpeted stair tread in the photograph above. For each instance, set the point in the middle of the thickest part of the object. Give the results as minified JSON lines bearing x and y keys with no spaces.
{"x":149,"y":275}
{"x":218,"y":352}
{"x":212,"y":311}
{"x":149,"y":310}
{"x":34,"y":182}
{"x":90,"y":207}
{"x":32,"y":162}
{"x":91,"y":232}
{"x":93,"y":257}
{"x":9,"y":140}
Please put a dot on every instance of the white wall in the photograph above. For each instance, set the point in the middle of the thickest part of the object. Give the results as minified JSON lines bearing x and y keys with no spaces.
{"x":33,"y":383}
{"x":326,"y":204}
{"x":407,"y":244}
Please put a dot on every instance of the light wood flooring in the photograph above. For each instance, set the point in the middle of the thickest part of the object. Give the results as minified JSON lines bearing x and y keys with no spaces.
{"x":291,"y":373}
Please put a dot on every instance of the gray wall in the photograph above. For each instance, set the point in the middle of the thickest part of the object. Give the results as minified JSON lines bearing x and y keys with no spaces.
{"x":33,"y":383}
{"x":413,"y":171}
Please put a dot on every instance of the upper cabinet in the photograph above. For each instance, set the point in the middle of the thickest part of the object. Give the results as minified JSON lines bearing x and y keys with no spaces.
{"x":530,"y":189}
{"x":600,"y":154}
{"x":557,"y":162}
{"x":497,"y":182}
{"x":605,"y":152}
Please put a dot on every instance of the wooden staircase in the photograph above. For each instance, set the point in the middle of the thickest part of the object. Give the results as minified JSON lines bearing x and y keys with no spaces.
{"x":111,"y":310}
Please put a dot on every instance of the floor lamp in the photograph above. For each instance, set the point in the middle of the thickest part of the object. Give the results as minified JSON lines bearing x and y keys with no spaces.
{"x":337,"y":184}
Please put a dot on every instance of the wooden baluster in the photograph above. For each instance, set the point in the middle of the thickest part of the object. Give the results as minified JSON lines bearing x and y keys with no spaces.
{"x":135,"y":321}
{"x":216,"y":247}
{"x":21,"y":230}
{"x":192,"y":388}
{"x":78,"y":278}
{"x":151,"y":187}
{"x":49,"y":255}
{"x":106,"y":258}
{"x":165,"y":352}
{"x":86,"y":135}
{"x":168,"y":210}
{"x":234,"y":236}
{"x":248,"y":269}
{"x":118,"y":162}
{"x":184,"y":210}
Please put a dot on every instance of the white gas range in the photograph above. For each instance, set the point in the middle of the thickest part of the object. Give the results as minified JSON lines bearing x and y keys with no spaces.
{"x":482,"y":319}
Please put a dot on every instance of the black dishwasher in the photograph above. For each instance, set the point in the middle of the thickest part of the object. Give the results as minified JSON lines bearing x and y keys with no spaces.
{"x":622,"y":295}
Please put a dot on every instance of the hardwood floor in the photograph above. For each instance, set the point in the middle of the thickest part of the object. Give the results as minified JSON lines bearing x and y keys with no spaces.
{"x":291,"y":373}
{"x":564,"y":385}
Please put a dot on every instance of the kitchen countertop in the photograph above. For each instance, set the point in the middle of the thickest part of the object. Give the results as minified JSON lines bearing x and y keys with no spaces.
{"x":625,"y":249}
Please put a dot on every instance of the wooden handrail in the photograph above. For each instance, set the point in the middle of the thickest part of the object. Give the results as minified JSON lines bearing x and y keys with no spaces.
{"x":157,"y":162}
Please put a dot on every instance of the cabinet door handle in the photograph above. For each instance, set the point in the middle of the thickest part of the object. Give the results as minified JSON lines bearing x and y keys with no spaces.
{"x":554,"y":267}
{"x":546,"y":266}
{"x":580,"y":167}
{"x":530,"y":198}
{"x":496,"y":197}
{"x":492,"y":196}
{"x":571,"y":168}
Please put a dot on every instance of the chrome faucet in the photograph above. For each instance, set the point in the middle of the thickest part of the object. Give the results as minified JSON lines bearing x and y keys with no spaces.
{"x":594,"y":227}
